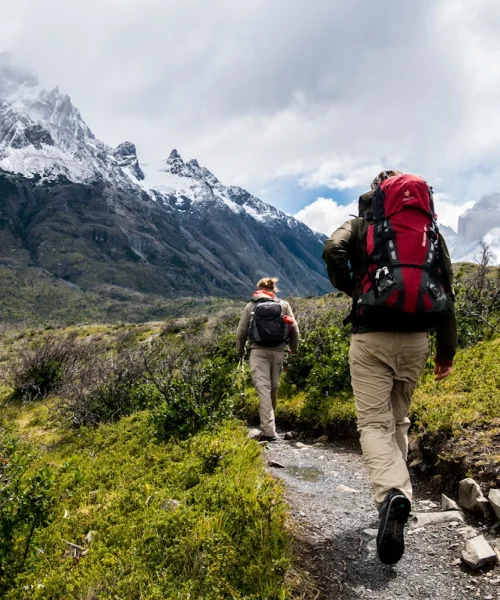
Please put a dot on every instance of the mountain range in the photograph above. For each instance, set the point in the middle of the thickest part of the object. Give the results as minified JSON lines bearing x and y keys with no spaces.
{"x":94,"y":217}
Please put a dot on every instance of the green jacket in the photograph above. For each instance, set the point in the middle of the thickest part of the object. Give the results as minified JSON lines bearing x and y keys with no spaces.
{"x":346,"y":261}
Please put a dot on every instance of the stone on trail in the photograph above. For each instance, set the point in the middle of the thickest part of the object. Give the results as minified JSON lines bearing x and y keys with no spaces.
{"x":254,"y":434}
{"x":301,"y":446}
{"x":276,"y":465}
{"x":323,"y":439}
{"x":494,"y":498}
{"x":346,"y":489}
{"x":467,"y":532}
{"x":471,"y":497}
{"x":370,"y":533}
{"x":496,"y":548}
{"x":478,"y":552}
{"x":438,"y":517}
{"x":448,"y":503}
{"x":291,"y":435}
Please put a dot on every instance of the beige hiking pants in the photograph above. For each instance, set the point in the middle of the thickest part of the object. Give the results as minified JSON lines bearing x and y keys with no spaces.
{"x":385,"y":368}
{"x":265,"y":366}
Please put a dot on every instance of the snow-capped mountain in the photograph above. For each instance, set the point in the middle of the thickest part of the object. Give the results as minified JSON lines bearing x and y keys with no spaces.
{"x":479,"y":224}
{"x":174,"y":227}
{"x":42,"y":133}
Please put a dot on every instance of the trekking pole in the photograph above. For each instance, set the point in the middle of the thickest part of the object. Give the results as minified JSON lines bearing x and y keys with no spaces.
{"x":242,"y":393}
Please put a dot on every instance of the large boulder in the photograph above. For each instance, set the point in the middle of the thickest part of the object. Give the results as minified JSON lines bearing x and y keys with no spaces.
{"x":471,"y":498}
{"x":494,"y":498}
{"x":478,"y":552}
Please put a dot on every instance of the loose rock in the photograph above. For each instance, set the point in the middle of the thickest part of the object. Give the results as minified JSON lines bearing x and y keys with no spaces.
{"x":291,"y":435}
{"x":254,"y":434}
{"x":478,"y":552}
{"x":171,"y":504}
{"x":413,"y":444}
{"x":438,"y":517}
{"x":494,"y":498}
{"x":276,"y":465}
{"x":471,"y":497}
{"x":301,"y":446}
{"x":467,"y":532}
{"x":323,"y":439}
{"x":370,"y":533}
{"x":448,"y":503}
{"x":346,"y":489}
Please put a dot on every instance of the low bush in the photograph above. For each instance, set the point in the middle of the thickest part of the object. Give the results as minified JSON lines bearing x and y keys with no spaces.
{"x":195,"y":391}
{"x":41,"y":368}
{"x":105,"y":388}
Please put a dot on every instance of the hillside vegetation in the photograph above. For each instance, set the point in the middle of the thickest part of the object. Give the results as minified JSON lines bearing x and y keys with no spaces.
{"x":126,"y":469}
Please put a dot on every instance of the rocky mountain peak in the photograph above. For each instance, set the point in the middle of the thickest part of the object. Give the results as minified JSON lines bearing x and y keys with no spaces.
{"x":475,"y":223}
{"x":126,"y":158}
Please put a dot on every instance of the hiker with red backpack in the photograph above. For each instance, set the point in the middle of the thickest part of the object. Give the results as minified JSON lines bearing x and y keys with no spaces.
{"x":395,"y":265}
{"x":270,"y":325}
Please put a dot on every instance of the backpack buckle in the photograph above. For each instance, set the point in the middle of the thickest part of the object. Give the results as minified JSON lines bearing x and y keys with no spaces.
{"x":383,"y":280}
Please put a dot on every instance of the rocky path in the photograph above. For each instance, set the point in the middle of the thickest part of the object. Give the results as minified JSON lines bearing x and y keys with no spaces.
{"x":330,"y":498}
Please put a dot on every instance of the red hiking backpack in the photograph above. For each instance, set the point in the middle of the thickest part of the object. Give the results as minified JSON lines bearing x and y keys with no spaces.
{"x":406,"y":279}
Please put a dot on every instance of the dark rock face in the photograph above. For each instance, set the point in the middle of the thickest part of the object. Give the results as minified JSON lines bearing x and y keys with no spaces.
{"x":97,"y":235}
{"x":88,"y":214}
{"x":126,"y":156}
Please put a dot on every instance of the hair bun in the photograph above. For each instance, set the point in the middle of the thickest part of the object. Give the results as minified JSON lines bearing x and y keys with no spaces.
{"x":268,"y":284}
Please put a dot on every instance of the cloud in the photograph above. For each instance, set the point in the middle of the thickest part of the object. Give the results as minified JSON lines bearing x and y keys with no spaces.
{"x":448,"y":212}
{"x":258,"y":90}
{"x":325,"y":215}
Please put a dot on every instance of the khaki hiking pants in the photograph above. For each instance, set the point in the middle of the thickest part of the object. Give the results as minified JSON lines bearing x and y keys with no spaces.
{"x":385,"y":368}
{"x":265,"y":366}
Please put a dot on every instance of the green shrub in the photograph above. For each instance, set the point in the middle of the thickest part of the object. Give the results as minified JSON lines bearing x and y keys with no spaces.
{"x":27,"y":499}
{"x":321,"y":363}
{"x":194,"y":397}
{"x":468,"y":398}
{"x":106,"y":388}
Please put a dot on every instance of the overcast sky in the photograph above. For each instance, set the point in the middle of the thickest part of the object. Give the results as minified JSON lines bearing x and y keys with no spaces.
{"x":295,"y":100}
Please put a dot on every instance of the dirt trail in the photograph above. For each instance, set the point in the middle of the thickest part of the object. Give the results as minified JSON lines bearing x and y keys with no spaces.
{"x":330,"y":498}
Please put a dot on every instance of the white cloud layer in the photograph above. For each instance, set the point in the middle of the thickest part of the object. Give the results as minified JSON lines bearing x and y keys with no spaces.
{"x":325,"y":214}
{"x":258,"y":90}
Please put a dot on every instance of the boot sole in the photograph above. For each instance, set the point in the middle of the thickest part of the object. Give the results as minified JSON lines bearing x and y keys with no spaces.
{"x":390,"y":540}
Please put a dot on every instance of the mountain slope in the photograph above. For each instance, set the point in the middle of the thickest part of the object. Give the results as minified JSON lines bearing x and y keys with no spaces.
{"x":94,"y":216}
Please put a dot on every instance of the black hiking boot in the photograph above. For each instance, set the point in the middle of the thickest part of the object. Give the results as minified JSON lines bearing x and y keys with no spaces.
{"x":267,"y":438}
{"x":393,"y":514}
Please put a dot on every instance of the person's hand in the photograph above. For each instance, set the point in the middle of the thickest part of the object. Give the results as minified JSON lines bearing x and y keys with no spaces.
{"x":441,"y":372}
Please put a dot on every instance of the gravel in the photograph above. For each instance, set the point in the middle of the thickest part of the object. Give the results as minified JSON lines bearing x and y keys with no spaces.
{"x":330,"y":499}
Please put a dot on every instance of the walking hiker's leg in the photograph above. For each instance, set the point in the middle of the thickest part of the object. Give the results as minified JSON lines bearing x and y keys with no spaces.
{"x":372,"y":375}
{"x":400,"y":400}
{"x":413,"y":355}
{"x":276,"y":368}
{"x":260,"y":367}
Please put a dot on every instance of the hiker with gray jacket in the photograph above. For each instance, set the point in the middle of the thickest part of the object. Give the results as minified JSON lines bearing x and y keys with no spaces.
{"x":270,"y":325}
